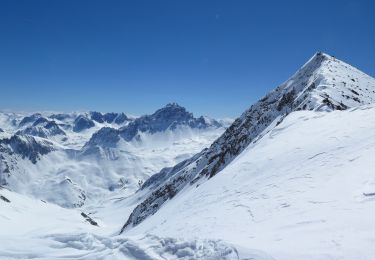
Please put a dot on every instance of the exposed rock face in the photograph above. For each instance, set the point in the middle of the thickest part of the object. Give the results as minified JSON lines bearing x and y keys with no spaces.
{"x":106,"y":138}
{"x":53,"y":128}
{"x":96,"y":116}
{"x":29,"y":119}
{"x":60,"y":117}
{"x":82,"y":123}
{"x":26,"y":146}
{"x":42,"y":128}
{"x":40,"y":120}
{"x":117,"y":118}
{"x":322,"y":84}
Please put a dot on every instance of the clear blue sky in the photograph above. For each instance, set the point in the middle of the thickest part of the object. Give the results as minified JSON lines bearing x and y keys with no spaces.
{"x":213,"y":57}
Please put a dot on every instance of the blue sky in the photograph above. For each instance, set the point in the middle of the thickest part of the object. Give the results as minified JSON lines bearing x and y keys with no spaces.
{"x":214,"y":57}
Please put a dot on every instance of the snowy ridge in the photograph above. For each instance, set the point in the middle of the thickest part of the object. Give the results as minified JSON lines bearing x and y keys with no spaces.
{"x":324,"y":83}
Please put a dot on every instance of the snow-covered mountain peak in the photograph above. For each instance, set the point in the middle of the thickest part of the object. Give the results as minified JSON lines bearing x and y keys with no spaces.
{"x":318,"y":57}
{"x":172,"y":111}
{"x":318,"y":60}
{"x":168,"y":122}
{"x":324,"y":83}
{"x":170,"y":117}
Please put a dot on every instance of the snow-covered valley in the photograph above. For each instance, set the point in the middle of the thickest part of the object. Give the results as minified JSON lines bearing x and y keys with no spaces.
{"x":291,"y":178}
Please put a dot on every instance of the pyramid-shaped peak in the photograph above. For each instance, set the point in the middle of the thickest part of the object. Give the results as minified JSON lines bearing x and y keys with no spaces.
{"x":321,"y":59}
{"x":322,"y":54}
{"x":317,"y":60}
{"x":326,"y":83}
{"x":322,"y":84}
{"x":172,"y":111}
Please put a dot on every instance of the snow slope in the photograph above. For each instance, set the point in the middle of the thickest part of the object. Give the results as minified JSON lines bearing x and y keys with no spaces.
{"x":305,"y":190}
{"x":33,"y":229}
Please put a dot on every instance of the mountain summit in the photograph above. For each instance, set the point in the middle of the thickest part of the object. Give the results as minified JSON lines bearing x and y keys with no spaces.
{"x":324,"y":83}
{"x":169,"y":117}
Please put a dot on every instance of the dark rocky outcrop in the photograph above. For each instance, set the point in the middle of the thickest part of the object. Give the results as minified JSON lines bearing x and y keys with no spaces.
{"x":82,"y":123}
{"x":26,"y":146}
{"x":89,"y":219}
{"x":4,"y":199}
{"x":29,"y":119}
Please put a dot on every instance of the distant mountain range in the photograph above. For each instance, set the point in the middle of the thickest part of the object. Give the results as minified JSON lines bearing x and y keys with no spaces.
{"x":32,"y":144}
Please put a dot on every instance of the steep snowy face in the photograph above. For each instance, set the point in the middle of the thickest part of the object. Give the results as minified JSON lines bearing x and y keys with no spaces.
{"x":324,"y":83}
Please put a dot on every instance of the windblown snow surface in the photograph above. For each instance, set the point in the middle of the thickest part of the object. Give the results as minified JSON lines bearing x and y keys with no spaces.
{"x":32,"y":229}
